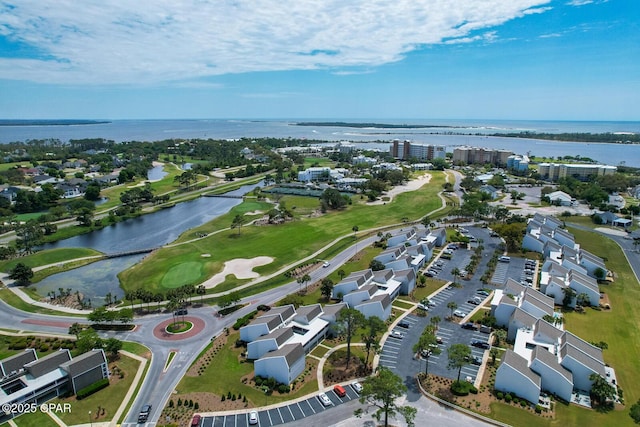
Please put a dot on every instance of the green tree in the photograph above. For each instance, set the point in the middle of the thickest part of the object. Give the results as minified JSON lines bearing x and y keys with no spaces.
{"x":113,"y":346}
{"x":601,"y":390}
{"x":238,"y":222}
{"x":458,"y":355}
{"x":326,"y":288}
{"x":452,"y":306}
{"x":381,"y":391}
{"x":373,"y":326}
{"x":303,"y":280}
{"x":434,"y":322}
{"x":88,"y":340}
{"x":427,"y":346}
{"x":634,"y":412}
{"x":349,"y":320}
{"x":29,"y":235}
{"x":201,"y":290}
{"x":22,"y":274}
{"x":229,"y":299}
{"x":332,"y":199}
{"x":376,"y":265}
{"x":75,"y":329}
{"x":569,"y":295}
{"x":456,"y":273}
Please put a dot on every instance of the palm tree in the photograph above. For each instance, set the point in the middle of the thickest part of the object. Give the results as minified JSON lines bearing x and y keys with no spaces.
{"x":434,"y":321}
{"x":341,"y":273}
{"x":452,"y":307}
{"x":456,"y":273}
{"x":201,"y":290}
{"x":237,"y":222}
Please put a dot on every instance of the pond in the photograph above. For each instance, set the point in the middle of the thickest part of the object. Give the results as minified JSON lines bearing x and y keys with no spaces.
{"x":146,"y":232}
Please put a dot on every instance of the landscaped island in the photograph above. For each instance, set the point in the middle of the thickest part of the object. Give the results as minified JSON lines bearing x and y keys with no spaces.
{"x":371,"y":125}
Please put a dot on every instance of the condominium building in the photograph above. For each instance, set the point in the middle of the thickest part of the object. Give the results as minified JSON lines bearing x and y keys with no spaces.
{"x":581,"y":171}
{"x":404,"y":150}
{"x":479,"y":155}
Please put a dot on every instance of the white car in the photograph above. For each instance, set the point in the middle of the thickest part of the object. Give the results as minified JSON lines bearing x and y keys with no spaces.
{"x":397,"y":334}
{"x":459,"y":313}
{"x":253,"y":418}
{"x":324,"y":399}
{"x":326,"y":264}
{"x":357,"y":386}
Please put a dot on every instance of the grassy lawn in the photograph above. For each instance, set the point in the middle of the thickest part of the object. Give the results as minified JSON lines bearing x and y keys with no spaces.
{"x":295,"y":240}
{"x":431,"y":285}
{"x":402,"y":304}
{"x":36,"y":419}
{"x":225,"y":372}
{"x":135,"y":348}
{"x":52,"y":256}
{"x":12,"y":299}
{"x":617,"y":327}
{"x":109,"y":398}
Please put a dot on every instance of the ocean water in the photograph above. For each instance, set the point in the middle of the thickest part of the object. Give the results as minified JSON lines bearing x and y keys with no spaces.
{"x":445,"y":132}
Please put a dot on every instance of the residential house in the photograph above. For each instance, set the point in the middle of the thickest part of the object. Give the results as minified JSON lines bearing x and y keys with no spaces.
{"x":284,"y":364}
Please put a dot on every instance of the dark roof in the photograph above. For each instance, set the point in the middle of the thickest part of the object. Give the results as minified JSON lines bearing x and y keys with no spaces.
{"x":271,"y":321}
{"x":84,"y":362}
{"x":308,"y":312}
{"x":286,"y":311}
{"x":49,"y":363}
{"x":384,"y":299}
{"x":551,"y":361}
{"x":17,"y":361}
{"x":280,"y":335}
{"x":332,"y":309}
{"x":291,"y":352}
{"x":382,"y":276}
{"x":520,"y":364}
{"x":545,"y":328}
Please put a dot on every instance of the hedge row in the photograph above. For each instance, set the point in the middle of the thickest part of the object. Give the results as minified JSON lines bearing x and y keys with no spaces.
{"x":89,"y":390}
{"x":244,"y":320}
{"x":113,"y":326}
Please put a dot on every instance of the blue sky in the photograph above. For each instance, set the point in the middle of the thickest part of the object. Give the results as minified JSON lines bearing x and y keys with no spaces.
{"x":338,"y":59}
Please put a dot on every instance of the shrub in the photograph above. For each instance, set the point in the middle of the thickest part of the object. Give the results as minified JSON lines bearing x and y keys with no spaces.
{"x":508,"y":398}
{"x":500,"y":395}
{"x":538,"y":409}
{"x":258,"y":381}
{"x":283,"y":388}
{"x":89,"y":390}
{"x":523,"y":403}
{"x":222,"y":399}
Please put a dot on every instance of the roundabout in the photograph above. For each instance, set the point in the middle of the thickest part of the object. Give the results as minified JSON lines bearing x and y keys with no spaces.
{"x":193,"y":327}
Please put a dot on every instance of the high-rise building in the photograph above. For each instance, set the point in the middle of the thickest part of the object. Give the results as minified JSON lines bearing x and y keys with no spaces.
{"x":404,"y":150}
{"x":478,"y":155}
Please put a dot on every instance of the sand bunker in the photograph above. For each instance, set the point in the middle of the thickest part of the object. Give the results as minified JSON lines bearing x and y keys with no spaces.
{"x":412,"y":185}
{"x":242,"y":268}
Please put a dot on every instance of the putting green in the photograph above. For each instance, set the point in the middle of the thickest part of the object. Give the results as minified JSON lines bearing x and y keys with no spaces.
{"x":182,"y":274}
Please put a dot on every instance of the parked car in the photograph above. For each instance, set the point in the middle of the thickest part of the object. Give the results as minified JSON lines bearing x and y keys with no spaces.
{"x":483,"y":293}
{"x":469,"y":325}
{"x":439,"y":340}
{"x":404,"y":324}
{"x":195,"y":421}
{"x":459,"y":313}
{"x":181,"y":312}
{"x":504,"y":259}
{"x":423,"y":307}
{"x":253,"y":418}
{"x":480,"y":344}
{"x":473,"y":301}
{"x":397,"y":334}
{"x":476,"y":360}
{"x":430,"y":273}
{"x":357,"y":386}
{"x":324,"y":399}
{"x":339,"y":390}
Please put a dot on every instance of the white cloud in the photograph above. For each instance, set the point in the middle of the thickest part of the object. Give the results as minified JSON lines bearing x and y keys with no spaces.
{"x":146,"y":42}
{"x":585,"y":2}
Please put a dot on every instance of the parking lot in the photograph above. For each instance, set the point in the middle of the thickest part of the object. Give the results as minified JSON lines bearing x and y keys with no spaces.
{"x":397,"y":353}
{"x":283,"y":414}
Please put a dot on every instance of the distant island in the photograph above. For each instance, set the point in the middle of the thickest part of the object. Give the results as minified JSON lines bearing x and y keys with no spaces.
{"x":51,"y":122}
{"x":609,"y":138}
{"x":371,"y":125}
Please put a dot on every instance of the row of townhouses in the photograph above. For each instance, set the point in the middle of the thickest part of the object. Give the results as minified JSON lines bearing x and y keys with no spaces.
{"x":545,"y":357}
{"x":279,"y":340}
{"x":26,"y":379}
